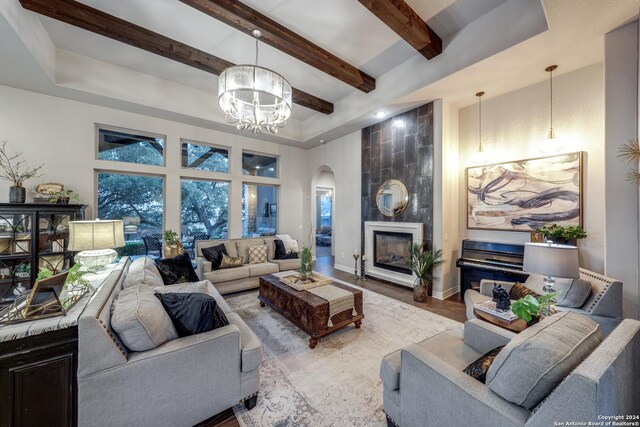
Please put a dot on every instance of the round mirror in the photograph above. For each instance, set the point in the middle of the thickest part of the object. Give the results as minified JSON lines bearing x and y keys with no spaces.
{"x":392,"y":198}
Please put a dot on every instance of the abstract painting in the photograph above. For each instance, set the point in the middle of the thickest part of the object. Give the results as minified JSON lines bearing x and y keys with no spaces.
{"x":525,"y":194}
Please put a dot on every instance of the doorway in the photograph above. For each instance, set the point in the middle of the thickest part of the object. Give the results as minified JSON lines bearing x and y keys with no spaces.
{"x":324,"y":213}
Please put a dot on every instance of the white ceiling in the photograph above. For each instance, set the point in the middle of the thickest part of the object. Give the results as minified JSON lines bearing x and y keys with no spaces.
{"x":496,"y":45}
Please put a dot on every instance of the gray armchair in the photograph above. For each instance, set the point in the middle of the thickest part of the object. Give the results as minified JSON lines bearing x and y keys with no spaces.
{"x":604,"y":305}
{"x":424,"y":383}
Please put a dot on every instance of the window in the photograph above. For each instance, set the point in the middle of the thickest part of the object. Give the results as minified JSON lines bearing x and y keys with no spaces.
{"x":204,"y":157}
{"x":323,"y":203}
{"x":259,"y":165}
{"x":130,"y":146}
{"x":205,"y":209}
{"x":137,"y":200}
{"x":259,"y":210}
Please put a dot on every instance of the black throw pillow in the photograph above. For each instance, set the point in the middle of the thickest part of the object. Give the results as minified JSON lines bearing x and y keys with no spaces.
{"x":281,"y":252}
{"x":518,"y":290}
{"x":214,"y":255}
{"x":177,"y":269}
{"x":479,"y":368}
{"x":192,"y":313}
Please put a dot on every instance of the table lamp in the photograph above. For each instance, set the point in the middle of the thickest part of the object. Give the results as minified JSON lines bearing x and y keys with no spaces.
{"x":551,"y":260}
{"x":96,"y":240}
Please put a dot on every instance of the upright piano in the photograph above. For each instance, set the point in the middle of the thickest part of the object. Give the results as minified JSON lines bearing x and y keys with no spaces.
{"x":489,"y":260}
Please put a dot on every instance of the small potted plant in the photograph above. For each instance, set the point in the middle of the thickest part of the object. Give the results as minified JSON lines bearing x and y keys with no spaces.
{"x":568,"y":235}
{"x":15,"y":170}
{"x":306,"y":263}
{"x":422,"y":263}
{"x":532,"y":309}
{"x":172,"y":246}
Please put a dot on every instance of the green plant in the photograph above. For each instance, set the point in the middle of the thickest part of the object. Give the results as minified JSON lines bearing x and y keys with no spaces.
{"x":13,"y":169}
{"x":568,"y":232}
{"x":306,"y":261}
{"x":44,"y":273}
{"x":423,"y":262}
{"x":529,"y":306}
{"x":63,"y":195}
{"x":75,"y":286}
{"x":170,"y":237}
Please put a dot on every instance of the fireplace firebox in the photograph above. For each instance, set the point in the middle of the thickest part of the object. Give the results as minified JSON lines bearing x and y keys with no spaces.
{"x":391,"y":251}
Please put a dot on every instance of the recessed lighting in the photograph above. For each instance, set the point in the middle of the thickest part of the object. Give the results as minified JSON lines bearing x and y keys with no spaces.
{"x":380,"y":114}
{"x":271,"y":169}
{"x":258,"y":167}
{"x":321,"y":141}
{"x":398,"y":123}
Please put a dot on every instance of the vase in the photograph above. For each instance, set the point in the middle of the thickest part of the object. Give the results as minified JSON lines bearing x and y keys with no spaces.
{"x":173,"y":250}
{"x":421,"y":290}
{"x":305,"y":270}
{"x":17,"y":194}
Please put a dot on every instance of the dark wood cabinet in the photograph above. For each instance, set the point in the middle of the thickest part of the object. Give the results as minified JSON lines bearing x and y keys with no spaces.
{"x":38,"y":384}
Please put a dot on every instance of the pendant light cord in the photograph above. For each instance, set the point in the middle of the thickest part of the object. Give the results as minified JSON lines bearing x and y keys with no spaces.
{"x":551,"y":98}
{"x":256,"y":51}
{"x":480,"y":123}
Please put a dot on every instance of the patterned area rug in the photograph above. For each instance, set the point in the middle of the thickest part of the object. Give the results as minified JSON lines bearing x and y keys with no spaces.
{"x":337,"y":383}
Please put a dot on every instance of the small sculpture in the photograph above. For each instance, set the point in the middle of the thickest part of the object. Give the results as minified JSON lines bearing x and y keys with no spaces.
{"x":501,"y":298}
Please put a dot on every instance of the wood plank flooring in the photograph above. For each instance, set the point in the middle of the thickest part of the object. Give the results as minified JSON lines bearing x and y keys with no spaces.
{"x":452,"y":308}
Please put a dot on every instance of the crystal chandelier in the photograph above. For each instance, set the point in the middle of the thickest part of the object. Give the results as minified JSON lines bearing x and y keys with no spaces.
{"x":254,"y":98}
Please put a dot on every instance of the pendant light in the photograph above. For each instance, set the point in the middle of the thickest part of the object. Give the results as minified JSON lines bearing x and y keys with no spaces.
{"x":552,"y":144}
{"x":480,"y":157}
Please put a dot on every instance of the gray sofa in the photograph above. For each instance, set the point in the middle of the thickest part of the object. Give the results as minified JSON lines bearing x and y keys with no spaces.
{"x":424,"y":383}
{"x":242,"y":278}
{"x":603,"y":306}
{"x":179,"y":383}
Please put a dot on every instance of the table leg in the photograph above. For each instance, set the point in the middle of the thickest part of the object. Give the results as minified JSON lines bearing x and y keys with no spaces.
{"x":358,"y":323}
{"x":313,"y":342}
{"x":262,"y":304}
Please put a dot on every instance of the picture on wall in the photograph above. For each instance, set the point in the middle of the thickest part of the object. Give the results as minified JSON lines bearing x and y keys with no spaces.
{"x":525,"y":194}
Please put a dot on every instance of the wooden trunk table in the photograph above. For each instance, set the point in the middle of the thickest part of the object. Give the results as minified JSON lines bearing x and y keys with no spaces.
{"x":307,"y":311}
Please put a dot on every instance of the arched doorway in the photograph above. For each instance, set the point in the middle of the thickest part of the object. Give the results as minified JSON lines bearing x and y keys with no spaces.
{"x":323,"y":187}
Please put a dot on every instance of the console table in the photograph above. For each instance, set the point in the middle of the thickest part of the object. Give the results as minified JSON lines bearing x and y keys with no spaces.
{"x":38,"y":367}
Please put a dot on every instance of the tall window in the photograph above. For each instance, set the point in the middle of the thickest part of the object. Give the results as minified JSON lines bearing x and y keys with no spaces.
{"x":205,"y":209}
{"x":137,"y":200}
{"x":323,"y":202}
{"x":130,"y":146}
{"x":259,"y":210}
{"x":204,"y":157}
{"x":259,"y":165}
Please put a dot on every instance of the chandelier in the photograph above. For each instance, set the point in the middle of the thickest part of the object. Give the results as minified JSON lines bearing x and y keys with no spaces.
{"x":254,"y":98}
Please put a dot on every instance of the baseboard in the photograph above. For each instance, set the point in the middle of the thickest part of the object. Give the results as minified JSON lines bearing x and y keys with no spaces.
{"x":343,"y":268}
{"x":446,"y":294}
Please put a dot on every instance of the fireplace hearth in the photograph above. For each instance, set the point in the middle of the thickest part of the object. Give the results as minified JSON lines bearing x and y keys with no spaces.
{"x":391,"y":250}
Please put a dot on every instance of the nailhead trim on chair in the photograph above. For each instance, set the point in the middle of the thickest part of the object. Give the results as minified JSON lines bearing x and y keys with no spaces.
{"x":587,"y":273}
{"x":113,"y":338}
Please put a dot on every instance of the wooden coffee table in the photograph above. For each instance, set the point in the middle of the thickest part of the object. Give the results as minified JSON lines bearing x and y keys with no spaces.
{"x":517,"y":325}
{"x":307,"y":311}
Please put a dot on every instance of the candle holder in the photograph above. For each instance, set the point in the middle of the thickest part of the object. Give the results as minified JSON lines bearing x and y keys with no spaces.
{"x":356,"y":255}
{"x":363,"y":268}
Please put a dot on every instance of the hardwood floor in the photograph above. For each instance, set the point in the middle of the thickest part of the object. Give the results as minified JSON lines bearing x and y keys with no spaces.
{"x":452,"y":308}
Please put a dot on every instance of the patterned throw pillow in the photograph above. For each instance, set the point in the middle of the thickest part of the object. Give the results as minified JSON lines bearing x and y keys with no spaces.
{"x":257,"y":254}
{"x":230,"y":262}
{"x":518,"y":290}
{"x":479,"y":368}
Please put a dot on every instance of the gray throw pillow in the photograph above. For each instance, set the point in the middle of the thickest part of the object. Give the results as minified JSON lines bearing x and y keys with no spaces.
{"x":140,"y":320}
{"x":573,"y":294}
{"x":533,"y":363}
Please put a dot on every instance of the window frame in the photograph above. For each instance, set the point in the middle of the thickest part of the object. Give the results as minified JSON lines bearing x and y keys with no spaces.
{"x":99,"y":126}
{"x":258,"y":153}
{"x":229,"y":190}
{"x":205,"y":144}
{"x":259,"y":183}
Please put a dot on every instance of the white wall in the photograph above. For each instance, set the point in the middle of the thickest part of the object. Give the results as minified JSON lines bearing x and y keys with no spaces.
{"x":61,"y":134}
{"x":342,"y":156}
{"x":514,"y":126}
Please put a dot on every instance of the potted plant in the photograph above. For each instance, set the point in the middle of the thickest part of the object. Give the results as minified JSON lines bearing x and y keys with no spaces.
{"x":172,"y":246}
{"x":15,"y":170}
{"x":306,"y":263}
{"x":562,"y":234}
{"x":63,"y":197}
{"x":531,"y":309}
{"x":422,"y":263}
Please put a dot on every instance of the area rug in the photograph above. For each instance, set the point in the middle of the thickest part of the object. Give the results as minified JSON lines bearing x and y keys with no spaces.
{"x":338,"y":383}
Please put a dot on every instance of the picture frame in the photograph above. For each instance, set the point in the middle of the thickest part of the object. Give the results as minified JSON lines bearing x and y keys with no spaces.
{"x":273,"y":208}
{"x":523,"y":195}
{"x":44,"y":298}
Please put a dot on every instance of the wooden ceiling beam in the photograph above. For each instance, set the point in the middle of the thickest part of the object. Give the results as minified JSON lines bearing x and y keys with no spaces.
{"x":241,"y":17}
{"x":96,"y":21}
{"x":402,"y":19}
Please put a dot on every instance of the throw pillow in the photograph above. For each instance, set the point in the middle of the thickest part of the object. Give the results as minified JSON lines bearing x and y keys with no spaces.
{"x":143,"y":271}
{"x":214,"y":254}
{"x":479,"y":368}
{"x":184,"y":288}
{"x":536,"y":360}
{"x":281,"y":252}
{"x":192,"y":313}
{"x":290,"y":245}
{"x":574,"y":294}
{"x":518,"y":290}
{"x":230,"y":262}
{"x":139,"y":319}
{"x":257,"y":254}
{"x":177,"y":269}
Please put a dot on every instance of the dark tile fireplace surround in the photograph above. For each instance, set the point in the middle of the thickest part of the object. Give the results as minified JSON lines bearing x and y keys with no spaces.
{"x":404,"y":152}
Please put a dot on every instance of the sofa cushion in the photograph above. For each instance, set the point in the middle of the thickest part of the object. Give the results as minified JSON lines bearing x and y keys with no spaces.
{"x":177,"y":269}
{"x":140,"y":320}
{"x":287,"y":264}
{"x":184,"y":288}
{"x":227,"y":274}
{"x":478,"y":368}
{"x":271,"y":247}
{"x":143,"y":271}
{"x":214,"y":254}
{"x":262,"y":269}
{"x":192,"y":313}
{"x":573,"y":294}
{"x":243,"y":246}
{"x":230,"y":245}
{"x":534,"y":362}
{"x":250,"y":345}
{"x":258,"y":254}
{"x":230,"y":262}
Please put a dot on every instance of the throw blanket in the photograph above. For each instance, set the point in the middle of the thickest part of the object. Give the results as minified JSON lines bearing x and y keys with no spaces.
{"x":339,"y":300}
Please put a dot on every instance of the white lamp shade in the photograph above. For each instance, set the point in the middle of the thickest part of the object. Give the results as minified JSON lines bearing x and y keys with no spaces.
{"x":551,"y":260}
{"x":93,"y":235}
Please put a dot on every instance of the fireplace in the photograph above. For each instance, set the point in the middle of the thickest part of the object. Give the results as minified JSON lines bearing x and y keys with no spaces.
{"x":391,"y":250}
